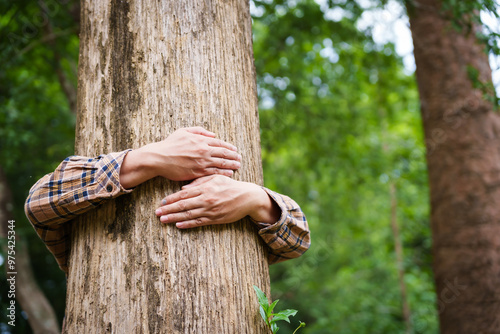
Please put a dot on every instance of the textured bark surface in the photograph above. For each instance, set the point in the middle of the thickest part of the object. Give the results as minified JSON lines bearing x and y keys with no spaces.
{"x":147,"y":68}
{"x":41,"y":315}
{"x":462,"y":136}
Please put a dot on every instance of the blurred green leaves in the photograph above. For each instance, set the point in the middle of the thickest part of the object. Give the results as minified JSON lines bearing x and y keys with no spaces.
{"x":340,"y":121}
{"x":36,"y":123}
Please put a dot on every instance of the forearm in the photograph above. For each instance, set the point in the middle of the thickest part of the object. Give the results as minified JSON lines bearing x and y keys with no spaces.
{"x":283,"y":225}
{"x":137,"y":167}
{"x":77,"y":185}
{"x":262,"y":207}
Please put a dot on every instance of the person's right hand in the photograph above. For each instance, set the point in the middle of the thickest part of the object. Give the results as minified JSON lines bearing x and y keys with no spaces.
{"x":186,"y":154}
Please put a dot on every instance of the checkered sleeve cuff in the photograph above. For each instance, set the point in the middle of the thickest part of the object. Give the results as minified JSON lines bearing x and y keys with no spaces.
{"x":289,"y":237}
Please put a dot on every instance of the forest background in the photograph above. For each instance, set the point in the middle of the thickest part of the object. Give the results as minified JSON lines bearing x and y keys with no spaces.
{"x":341,"y":134}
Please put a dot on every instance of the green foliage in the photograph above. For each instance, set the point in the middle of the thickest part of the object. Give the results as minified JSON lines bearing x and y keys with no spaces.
{"x":465,"y":16}
{"x":270,"y":318}
{"x":486,"y":88}
{"x":36,"y":124}
{"x":340,"y":122}
{"x":466,"y":13}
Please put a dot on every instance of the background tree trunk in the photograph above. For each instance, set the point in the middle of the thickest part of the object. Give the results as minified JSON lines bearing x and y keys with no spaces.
{"x":146,"y":69}
{"x":462,"y":137}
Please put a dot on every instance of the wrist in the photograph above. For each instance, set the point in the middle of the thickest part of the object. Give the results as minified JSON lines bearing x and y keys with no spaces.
{"x":264,"y":209}
{"x":137,"y":167}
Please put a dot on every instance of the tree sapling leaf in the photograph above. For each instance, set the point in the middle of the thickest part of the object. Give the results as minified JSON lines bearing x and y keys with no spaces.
{"x":262,"y":298}
{"x":263,"y":314}
{"x":283,"y":315}
{"x":271,"y":308}
{"x":274,"y":328}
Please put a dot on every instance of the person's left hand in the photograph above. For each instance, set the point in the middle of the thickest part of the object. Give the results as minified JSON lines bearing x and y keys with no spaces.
{"x":217,"y":199}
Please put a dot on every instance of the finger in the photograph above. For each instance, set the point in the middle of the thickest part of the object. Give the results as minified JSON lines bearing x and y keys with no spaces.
{"x":179,"y":206}
{"x":223,"y":172}
{"x":180,"y":195}
{"x":219,"y":152}
{"x":224,"y":163}
{"x":221,"y":143}
{"x":182,"y":216}
{"x":201,"y":221}
{"x":198,"y":130}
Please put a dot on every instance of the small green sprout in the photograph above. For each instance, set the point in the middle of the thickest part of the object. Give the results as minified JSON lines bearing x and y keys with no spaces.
{"x":270,"y":318}
{"x":302,"y":324}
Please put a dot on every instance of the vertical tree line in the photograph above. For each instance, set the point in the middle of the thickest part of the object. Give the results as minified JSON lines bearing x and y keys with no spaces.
{"x":462,"y":133}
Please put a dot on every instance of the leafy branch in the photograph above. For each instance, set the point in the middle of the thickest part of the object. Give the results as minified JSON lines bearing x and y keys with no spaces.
{"x":270,"y":318}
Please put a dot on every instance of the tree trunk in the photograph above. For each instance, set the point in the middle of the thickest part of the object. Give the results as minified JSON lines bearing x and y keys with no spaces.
{"x":147,"y":68}
{"x":41,"y":315}
{"x":462,"y":137}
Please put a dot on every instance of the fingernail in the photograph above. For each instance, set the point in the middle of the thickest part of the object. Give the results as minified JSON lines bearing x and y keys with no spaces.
{"x":164,"y":202}
{"x":235,"y":148}
{"x":164,"y":219}
{"x":158,"y":212}
{"x":239,"y":157}
{"x":179,"y":225}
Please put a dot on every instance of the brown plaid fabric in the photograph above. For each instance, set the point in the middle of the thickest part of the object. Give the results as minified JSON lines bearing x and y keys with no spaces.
{"x":80,"y":184}
{"x":288,"y":238}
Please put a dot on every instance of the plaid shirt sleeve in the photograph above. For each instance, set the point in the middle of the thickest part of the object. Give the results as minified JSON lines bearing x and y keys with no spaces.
{"x":289,"y":237}
{"x":76,"y":186}
{"x":80,"y":184}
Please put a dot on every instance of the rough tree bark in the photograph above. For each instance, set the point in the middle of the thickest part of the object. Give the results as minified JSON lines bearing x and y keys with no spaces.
{"x":41,"y":315}
{"x":147,"y":68}
{"x":462,"y":137}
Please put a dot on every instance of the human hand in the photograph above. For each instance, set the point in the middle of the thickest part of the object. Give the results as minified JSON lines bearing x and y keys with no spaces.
{"x":217,"y":199}
{"x":191,"y":153}
{"x":186,"y":154}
